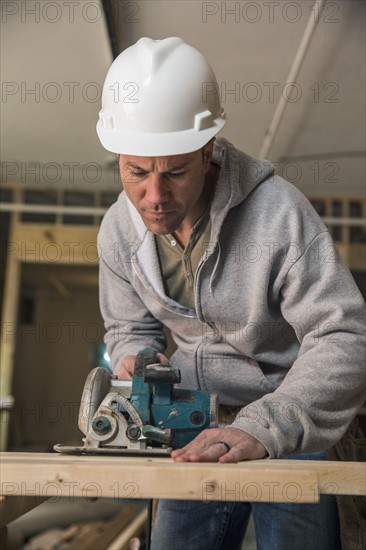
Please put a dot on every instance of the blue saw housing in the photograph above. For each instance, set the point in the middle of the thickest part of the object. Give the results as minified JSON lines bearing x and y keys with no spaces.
{"x":179,"y":414}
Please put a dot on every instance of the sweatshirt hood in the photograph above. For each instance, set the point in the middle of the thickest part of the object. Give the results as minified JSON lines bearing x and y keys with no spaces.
{"x":239,"y":175}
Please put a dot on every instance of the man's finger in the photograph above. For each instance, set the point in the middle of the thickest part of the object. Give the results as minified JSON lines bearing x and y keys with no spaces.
{"x":205,"y":452}
{"x":162,"y":358}
{"x":211,"y":454}
{"x":236,"y":454}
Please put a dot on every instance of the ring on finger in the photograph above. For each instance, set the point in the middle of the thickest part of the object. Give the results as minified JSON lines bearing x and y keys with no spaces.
{"x":227,"y":447}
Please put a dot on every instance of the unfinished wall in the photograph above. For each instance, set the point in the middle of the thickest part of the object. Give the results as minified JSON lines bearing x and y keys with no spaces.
{"x":53,"y":356}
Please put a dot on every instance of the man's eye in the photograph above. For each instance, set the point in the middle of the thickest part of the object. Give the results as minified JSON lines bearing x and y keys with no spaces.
{"x":176,"y":174}
{"x":139,"y":174}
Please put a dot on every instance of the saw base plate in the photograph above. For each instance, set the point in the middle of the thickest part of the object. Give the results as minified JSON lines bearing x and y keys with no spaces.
{"x":117,"y":451}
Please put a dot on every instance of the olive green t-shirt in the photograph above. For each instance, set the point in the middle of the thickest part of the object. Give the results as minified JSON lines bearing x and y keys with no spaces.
{"x":178,"y":265}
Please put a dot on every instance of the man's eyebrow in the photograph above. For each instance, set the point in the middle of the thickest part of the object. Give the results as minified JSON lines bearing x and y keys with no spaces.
{"x":174,"y":167}
{"x":178,"y":166}
{"x":133,"y":165}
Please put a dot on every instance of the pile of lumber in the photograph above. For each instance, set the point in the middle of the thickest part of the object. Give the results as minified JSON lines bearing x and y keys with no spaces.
{"x":126,"y":531}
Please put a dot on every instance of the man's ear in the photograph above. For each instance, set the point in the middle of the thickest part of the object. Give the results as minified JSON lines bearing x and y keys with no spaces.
{"x":119,"y":162}
{"x":207,"y":153}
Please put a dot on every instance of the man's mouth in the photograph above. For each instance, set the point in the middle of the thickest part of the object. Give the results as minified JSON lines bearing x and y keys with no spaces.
{"x":158,"y":213}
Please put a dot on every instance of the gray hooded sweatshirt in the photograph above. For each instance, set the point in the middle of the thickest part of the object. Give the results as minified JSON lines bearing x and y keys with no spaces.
{"x":279,"y":323}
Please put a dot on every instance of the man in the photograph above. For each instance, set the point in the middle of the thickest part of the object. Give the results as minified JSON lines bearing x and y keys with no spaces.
{"x":209,"y":243}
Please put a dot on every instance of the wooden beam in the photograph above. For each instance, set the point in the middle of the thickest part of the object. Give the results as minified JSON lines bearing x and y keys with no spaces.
{"x":13,"y":507}
{"x":55,"y":244}
{"x":123,"y":539}
{"x":8,"y":336}
{"x":103,"y":534}
{"x":54,"y":475}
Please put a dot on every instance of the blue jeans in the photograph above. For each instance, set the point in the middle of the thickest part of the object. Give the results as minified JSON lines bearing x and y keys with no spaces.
{"x":196,"y":525}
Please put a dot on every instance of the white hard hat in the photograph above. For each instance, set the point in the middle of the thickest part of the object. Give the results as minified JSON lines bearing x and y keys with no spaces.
{"x":160,"y":98}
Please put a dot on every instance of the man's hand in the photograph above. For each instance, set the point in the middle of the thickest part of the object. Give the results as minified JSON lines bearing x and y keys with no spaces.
{"x":127,"y":365}
{"x":220,"y":445}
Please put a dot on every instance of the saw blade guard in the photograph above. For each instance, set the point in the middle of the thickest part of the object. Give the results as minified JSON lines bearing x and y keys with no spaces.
{"x":96,"y":387}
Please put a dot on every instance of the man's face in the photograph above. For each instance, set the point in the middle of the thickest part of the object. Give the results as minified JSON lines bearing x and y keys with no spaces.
{"x":167,"y":191}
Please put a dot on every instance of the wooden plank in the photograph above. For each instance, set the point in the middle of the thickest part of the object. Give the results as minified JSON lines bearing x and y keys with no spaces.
{"x":123,"y":539}
{"x":342,"y":478}
{"x":107,"y":532}
{"x":54,"y":475}
{"x":13,"y":507}
{"x":30,"y":478}
{"x":139,"y":477}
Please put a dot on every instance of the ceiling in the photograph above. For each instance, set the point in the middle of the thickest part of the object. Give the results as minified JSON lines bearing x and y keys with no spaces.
{"x":54,"y":57}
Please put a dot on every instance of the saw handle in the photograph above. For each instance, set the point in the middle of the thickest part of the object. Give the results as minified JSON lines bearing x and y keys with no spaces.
{"x":146,"y":356}
{"x":161,"y":374}
{"x":153,"y":372}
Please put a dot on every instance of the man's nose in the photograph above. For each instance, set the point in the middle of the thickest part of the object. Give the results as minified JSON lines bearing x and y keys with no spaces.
{"x":157,"y":191}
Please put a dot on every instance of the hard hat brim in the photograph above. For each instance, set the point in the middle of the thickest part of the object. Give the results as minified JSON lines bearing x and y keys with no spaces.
{"x":157,"y":144}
